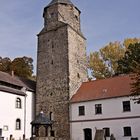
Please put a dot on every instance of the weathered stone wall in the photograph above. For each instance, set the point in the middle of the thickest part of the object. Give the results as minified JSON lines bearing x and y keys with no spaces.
{"x":70,"y":15}
{"x":61,"y":65}
{"x":77,"y":60}
{"x":52,"y":79}
{"x":62,"y":12}
{"x":50,"y":16}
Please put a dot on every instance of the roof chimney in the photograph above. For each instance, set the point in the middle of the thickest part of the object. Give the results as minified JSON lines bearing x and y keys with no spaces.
{"x":12,"y":73}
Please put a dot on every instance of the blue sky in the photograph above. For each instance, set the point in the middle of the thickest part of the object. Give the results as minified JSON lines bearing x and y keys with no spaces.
{"x":102,"y":21}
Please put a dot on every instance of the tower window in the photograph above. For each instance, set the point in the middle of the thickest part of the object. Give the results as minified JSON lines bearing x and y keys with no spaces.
{"x":52,"y":14}
{"x":76,"y":17}
{"x":78,"y":75}
{"x":52,"y":62}
{"x":77,"y":61}
{"x":18,"y":124}
{"x":81,"y":110}
{"x":18,"y":103}
{"x":52,"y":46}
{"x":51,"y":116}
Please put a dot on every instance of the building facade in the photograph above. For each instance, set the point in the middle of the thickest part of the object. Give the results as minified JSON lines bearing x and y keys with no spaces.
{"x":105,"y":105}
{"x":79,"y":109}
{"x":61,"y":64}
{"x":16,"y":106}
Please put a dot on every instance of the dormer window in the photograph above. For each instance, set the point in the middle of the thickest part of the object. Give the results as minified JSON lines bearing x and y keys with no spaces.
{"x":51,"y":15}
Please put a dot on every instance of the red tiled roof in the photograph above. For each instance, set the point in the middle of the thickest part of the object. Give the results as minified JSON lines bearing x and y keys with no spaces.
{"x":103,"y":89}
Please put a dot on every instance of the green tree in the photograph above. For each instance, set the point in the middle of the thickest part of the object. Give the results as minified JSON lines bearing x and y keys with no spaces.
{"x":104,"y":64}
{"x":129,"y":41}
{"x":22,"y":67}
{"x":130,"y":60}
{"x":5,"y":64}
{"x":130,"y":64}
{"x":111,"y":53}
{"x":135,"y":90}
{"x":100,"y":69}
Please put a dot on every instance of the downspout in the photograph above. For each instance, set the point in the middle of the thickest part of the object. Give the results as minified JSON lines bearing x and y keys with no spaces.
{"x":24,"y":90}
{"x":25,"y":115}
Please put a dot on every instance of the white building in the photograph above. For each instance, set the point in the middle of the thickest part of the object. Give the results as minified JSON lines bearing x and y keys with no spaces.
{"x":16,"y":106}
{"x":105,"y":105}
{"x":101,"y":106}
{"x":97,"y":105}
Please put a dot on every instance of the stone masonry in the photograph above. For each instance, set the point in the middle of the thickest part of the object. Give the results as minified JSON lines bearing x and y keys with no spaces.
{"x":61,"y":64}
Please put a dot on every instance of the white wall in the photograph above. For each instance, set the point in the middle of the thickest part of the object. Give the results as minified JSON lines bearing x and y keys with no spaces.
{"x":29,"y":112}
{"x":9,"y":113}
{"x":111,"y":109}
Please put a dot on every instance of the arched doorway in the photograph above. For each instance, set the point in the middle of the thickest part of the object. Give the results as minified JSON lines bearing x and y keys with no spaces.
{"x":87,"y":134}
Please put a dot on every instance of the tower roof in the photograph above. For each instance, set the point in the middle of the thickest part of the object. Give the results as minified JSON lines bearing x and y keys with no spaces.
{"x":60,"y":1}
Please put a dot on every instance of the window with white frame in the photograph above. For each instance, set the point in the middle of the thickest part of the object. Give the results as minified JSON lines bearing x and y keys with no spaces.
{"x":127,"y":131}
{"x":98,"y":108}
{"x":18,"y":103}
{"x":81,"y":110}
{"x":126,"y":106}
{"x":18,"y":124}
{"x":106,"y":132}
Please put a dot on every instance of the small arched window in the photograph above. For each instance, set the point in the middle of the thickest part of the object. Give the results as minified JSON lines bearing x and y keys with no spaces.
{"x":18,"y":103}
{"x":18,"y":124}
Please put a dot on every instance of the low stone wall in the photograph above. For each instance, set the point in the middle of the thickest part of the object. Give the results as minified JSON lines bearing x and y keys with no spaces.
{"x":43,"y":138}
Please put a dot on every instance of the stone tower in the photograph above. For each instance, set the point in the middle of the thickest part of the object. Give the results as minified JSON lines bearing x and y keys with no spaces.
{"x":61,"y":64}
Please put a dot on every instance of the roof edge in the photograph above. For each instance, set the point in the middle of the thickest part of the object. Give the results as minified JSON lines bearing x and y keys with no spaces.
{"x":73,"y":102}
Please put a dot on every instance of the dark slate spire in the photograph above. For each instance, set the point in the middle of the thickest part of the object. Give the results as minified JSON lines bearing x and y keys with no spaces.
{"x":60,"y":1}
